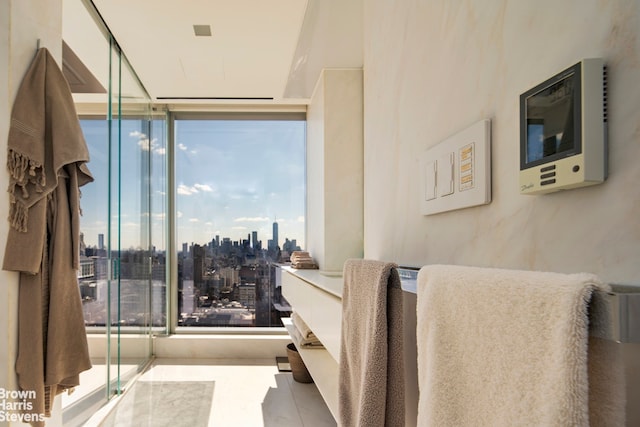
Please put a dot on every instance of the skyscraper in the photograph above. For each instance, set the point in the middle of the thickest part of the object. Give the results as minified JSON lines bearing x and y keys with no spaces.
{"x":101,"y":241}
{"x":275,"y":234}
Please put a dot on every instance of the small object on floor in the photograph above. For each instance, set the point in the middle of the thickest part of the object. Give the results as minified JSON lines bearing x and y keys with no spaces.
{"x":283,"y":364}
{"x":298,"y":368}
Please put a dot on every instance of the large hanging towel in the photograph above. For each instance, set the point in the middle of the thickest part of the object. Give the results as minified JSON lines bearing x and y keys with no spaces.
{"x":46,"y":161}
{"x":371,"y":374}
{"x":500,"y":347}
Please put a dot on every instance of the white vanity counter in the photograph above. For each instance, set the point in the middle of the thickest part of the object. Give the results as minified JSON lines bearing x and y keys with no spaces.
{"x":328,"y":281}
{"x":317,"y":298}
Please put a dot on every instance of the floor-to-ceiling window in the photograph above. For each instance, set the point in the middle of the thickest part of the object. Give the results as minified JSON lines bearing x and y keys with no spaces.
{"x":239,"y":208}
{"x":143,"y":193}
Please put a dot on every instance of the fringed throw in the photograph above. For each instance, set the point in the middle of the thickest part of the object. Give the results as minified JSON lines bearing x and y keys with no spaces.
{"x":23,"y":172}
{"x":46,"y":160}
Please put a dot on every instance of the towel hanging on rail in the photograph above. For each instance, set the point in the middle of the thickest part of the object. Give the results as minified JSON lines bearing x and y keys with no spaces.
{"x":371,"y":373}
{"x":503,"y":347}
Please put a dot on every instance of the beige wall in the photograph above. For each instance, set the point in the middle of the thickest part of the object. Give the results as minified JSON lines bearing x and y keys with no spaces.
{"x":9,"y":282}
{"x":22,"y":23}
{"x":335,"y":169}
{"x":433,"y":68}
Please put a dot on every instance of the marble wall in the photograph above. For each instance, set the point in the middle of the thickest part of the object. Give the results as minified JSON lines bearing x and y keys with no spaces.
{"x":433,"y":68}
{"x":335,"y":169}
{"x":9,"y":286}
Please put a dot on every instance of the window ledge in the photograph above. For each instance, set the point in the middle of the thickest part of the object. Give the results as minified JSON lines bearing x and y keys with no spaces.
{"x":221,"y":346}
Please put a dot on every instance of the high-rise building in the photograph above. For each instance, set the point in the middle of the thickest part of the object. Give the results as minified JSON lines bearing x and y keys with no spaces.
{"x":83,"y":246}
{"x":101,"y":241}
{"x":275,"y":234}
{"x":254,"y":239}
{"x":199,"y":264}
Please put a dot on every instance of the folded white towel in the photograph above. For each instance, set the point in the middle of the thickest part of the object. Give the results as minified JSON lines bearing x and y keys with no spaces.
{"x":302,"y":327}
{"x":301,"y":342}
{"x":502,"y":347}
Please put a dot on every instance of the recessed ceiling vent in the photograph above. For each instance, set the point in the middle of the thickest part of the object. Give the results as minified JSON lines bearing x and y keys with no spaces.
{"x":202,"y":30}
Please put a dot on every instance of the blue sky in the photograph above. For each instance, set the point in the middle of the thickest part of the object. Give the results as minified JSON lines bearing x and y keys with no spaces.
{"x":232,"y":177}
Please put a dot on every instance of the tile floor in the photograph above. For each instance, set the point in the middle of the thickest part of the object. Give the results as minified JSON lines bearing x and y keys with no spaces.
{"x":94,"y":379}
{"x":218,"y":392}
{"x":89,"y":396}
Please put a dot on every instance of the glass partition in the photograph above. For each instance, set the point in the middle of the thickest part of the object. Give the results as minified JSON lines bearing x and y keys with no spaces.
{"x":158,"y":221}
{"x":119,"y":258}
{"x":130,"y":221}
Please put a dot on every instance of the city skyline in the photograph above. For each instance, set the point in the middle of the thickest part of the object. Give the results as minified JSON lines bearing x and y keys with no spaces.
{"x":252,"y":240}
{"x":233,"y":177}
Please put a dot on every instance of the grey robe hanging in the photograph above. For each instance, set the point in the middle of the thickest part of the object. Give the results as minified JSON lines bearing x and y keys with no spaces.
{"x":46,"y":161}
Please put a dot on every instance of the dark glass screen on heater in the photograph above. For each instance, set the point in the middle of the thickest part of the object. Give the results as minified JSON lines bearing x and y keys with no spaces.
{"x":550,"y":121}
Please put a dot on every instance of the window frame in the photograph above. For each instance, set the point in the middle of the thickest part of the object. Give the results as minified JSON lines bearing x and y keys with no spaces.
{"x":295,"y":113}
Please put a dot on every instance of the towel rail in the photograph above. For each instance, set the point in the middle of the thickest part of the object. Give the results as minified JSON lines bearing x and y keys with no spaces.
{"x":613,"y":315}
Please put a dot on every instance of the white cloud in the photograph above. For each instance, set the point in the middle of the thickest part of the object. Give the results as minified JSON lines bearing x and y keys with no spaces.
{"x":182,"y":147}
{"x":203,"y":187}
{"x":137,"y":134}
{"x":238,"y":228}
{"x":208,"y":223}
{"x":301,"y":218}
{"x":186,"y":191}
{"x":147,"y":145}
{"x":179,"y":214}
{"x":194,"y":220}
{"x":144,"y":144}
{"x":251,"y":219}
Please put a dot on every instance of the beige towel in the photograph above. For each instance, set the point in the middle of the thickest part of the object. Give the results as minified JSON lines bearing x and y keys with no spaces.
{"x":502,"y":347}
{"x":46,"y":162}
{"x":371,"y":372}
{"x":296,"y":254}
{"x":302,"y":259}
{"x":301,"y":325}
{"x":307,"y":343}
{"x":305,"y":265}
{"x":303,"y":334}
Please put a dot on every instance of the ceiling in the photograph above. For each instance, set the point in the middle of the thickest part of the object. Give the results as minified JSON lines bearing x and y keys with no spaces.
{"x":259,"y":51}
